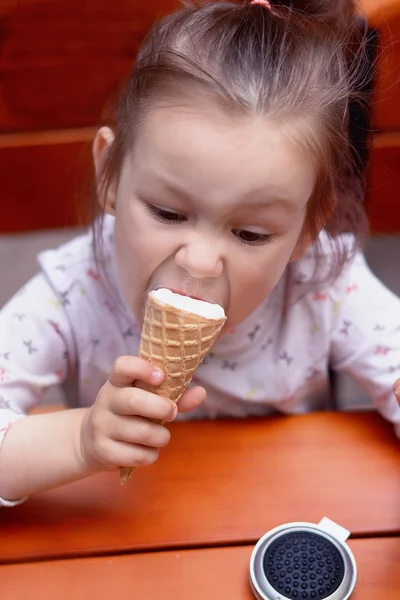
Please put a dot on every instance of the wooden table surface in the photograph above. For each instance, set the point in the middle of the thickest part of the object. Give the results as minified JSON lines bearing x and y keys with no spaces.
{"x":221,"y":483}
{"x":217,"y":573}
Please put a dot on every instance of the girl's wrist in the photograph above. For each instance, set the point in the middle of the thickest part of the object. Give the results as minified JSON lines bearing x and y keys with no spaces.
{"x":86,"y":466}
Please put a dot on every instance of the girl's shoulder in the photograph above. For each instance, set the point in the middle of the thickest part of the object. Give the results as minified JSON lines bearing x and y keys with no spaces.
{"x":327,"y":268}
{"x":80,"y":266}
{"x":82,"y":274}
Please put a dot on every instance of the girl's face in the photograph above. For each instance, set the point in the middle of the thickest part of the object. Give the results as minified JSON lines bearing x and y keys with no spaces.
{"x":209,"y":205}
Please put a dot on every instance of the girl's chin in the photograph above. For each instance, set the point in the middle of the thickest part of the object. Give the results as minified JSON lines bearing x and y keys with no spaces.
{"x":227,"y":328}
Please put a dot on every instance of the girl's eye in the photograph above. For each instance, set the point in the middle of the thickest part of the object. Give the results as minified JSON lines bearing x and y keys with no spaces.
{"x":166,"y":216}
{"x":252,"y":238}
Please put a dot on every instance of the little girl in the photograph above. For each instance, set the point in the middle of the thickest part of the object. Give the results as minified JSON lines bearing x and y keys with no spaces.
{"x":226,"y":175}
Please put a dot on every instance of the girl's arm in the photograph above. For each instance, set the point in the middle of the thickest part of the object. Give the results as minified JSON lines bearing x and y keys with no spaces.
{"x":366,"y":338}
{"x":122,"y":427}
{"x":37,"y":352}
{"x":42,"y":452}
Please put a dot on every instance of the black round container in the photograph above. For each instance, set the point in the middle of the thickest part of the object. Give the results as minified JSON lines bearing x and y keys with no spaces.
{"x":303,"y":561}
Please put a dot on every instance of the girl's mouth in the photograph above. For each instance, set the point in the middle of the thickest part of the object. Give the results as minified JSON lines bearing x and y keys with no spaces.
{"x":194,"y":290}
{"x":193,"y":296}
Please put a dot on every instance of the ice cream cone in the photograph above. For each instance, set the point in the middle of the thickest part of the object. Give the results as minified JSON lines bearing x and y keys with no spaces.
{"x":176,"y":340}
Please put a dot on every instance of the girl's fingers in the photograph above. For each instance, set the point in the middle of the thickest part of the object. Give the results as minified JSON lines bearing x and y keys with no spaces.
{"x":137,"y":430}
{"x":192,"y":398}
{"x":128,"y":369}
{"x":132,"y":402}
{"x":129,"y":455}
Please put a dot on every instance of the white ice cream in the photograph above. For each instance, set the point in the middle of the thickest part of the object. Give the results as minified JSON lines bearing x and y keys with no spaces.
{"x":197,"y":307}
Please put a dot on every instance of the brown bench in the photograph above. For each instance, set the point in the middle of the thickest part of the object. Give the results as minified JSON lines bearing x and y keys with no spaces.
{"x":61,"y":60}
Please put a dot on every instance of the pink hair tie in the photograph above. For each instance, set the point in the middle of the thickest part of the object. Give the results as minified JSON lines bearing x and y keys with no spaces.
{"x":264,"y":3}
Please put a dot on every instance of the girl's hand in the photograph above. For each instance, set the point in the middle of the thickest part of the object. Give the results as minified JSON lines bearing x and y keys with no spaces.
{"x":118,"y":430}
{"x":396,"y":389}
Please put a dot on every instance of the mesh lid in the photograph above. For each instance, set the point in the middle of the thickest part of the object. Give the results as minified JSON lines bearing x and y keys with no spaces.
{"x":302,"y":562}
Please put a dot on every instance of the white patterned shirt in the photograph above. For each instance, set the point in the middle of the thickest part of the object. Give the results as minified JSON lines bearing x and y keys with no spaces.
{"x":70,"y":322}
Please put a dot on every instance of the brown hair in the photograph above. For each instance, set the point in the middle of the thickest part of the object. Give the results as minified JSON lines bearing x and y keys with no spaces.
{"x":299,"y":62}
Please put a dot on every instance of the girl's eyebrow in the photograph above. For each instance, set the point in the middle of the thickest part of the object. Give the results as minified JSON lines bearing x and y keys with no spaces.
{"x":281,"y":202}
{"x":176,"y":191}
{"x":278,"y":200}
{"x":155,"y":186}
{"x":159,"y":186}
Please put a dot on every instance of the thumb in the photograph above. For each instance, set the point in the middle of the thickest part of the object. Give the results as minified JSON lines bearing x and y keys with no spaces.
{"x":192,"y":398}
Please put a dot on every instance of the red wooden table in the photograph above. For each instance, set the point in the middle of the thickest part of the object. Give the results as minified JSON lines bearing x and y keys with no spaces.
{"x":219,"y":483}
{"x":186,"y":527}
{"x":215,"y":574}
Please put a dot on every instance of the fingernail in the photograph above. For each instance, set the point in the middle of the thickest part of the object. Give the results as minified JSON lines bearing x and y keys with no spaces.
{"x":396,"y":389}
{"x":175,"y":413}
{"x":157,"y":376}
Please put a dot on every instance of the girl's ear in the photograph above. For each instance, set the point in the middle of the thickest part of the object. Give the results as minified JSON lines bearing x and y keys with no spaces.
{"x":101,"y":146}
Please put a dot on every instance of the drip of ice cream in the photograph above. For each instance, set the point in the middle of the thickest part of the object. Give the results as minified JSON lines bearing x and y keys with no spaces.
{"x":207,"y":310}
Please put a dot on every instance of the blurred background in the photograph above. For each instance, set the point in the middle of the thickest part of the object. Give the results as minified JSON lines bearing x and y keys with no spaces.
{"x":60,"y":63}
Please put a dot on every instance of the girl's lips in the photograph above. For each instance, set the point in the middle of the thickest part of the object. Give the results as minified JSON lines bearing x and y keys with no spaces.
{"x":195,"y":292}
{"x":190,"y":296}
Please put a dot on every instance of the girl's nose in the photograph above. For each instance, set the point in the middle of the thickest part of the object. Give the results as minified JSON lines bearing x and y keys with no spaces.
{"x":200,"y":258}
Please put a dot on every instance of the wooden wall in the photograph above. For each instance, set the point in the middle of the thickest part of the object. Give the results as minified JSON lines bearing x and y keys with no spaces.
{"x":61,"y":60}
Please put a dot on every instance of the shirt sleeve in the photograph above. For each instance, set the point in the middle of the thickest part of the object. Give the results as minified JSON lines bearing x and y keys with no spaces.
{"x":366,"y":337}
{"x":37,"y":351}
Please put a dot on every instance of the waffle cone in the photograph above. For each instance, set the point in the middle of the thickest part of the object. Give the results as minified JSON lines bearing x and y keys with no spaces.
{"x":176,"y":341}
